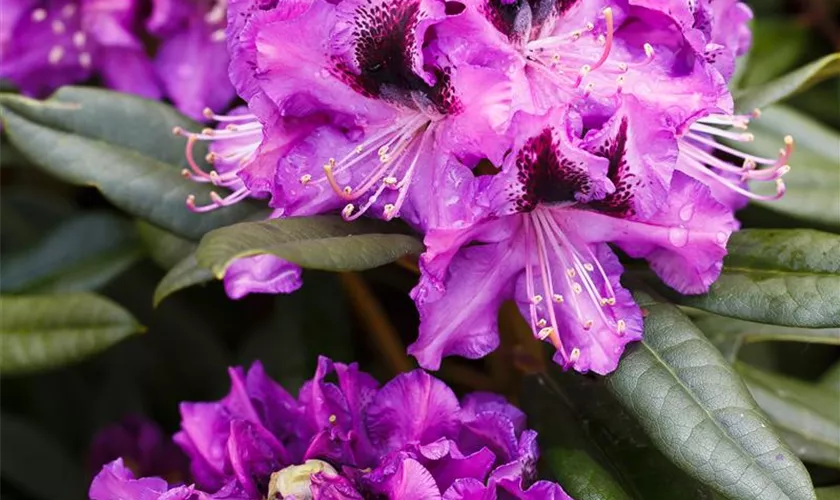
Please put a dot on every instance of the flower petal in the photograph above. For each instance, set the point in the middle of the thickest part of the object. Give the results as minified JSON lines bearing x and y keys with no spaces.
{"x":261,"y":274}
{"x":414,"y":407}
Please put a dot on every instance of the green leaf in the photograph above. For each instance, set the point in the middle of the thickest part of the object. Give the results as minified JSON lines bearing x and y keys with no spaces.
{"x":45,"y":331}
{"x":595,"y":449}
{"x":165,"y":248}
{"x":184,"y":274}
{"x":133,"y":180}
{"x":768,"y":58}
{"x":82,"y":254}
{"x":582,"y":477}
{"x":729,"y":334}
{"x":797,"y":81}
{"x":805,"y":414}
{"x":698,"y":412}
{"x":319,"y":242}
{"x":813,"y":181}
{"x":125,"y":120}
{"x":831,"y":379}
{"x":36,"y":464}
{"x":781,"y":277}
{"x":828,"y":493}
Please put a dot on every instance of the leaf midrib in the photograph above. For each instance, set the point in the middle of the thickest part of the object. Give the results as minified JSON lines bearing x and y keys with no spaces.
{"x":708,"y":413}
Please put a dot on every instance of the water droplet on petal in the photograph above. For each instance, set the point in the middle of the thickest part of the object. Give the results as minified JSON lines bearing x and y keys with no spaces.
{"x":721,"y":237}
{"x":678,"y":236}
{"x":687,"y":212}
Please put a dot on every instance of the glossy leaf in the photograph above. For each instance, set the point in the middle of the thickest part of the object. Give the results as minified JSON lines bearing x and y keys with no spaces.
{"x":813,"y":182}
{"x":729,"y":334}
{"x":792,"y":83}
{"x":781,"y":277}
{"x":594,"y":448}
{"x":140,"y":184}
{"x":320,"y":242}
{"x":82,"y":254}
{"x":165,"y":248}
{"x":698,"y":412}
{"x":36,"y":464}
{"x":45,"y":331}
{"x":805,"y":414}
{"x":184,"y":274}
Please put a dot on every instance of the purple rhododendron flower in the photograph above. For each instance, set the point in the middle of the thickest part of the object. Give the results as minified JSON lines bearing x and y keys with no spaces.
{"x":560,"y":197}
{"x":410,"y":439}
{"x":46,"y":44}
{"x":192,"y":59}
{"x":142,"y":446}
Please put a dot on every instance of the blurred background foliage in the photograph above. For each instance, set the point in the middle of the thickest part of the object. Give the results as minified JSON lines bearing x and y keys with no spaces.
{"x":58,"y":238}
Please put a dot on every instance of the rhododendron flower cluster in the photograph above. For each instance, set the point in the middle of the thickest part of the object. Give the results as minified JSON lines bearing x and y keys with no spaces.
{"x":410,"y":439}
{"x":50,"y":43}
{"x":601,"y":121}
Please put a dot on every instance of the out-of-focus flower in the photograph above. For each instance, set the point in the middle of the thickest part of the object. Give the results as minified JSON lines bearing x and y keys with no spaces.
{"x":142,"y":446}
{"x":559,"y":199}
{"x":46,"y":44}
{"x":410,"y":439}
{"x":192,"y":59}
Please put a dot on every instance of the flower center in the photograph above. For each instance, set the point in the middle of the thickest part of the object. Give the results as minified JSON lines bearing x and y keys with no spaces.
{"x":583,"y":295}
{"x":566,"y":63}
{"x":294,"y":481}
{"x":397,"y":150}
{"x":700,"y":142}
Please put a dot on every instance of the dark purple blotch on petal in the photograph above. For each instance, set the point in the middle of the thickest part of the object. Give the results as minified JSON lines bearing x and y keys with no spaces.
{"x":546,"y":176}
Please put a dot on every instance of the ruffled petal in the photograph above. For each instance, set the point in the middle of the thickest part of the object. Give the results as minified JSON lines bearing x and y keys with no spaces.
{"x":116,"y":482}
{"x":458,"y":310}
{"x":254,"y":455}
{"x":685,"y":242}
{"x":414,"y":407}
{"x":642,"y":153}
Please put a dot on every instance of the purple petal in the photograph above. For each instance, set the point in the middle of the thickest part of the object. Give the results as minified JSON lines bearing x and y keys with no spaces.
{"x":261,"y":274}
{"x":453,"y":464}
{"x":410,"y":481}
{"x":458,"y":310}
{"x":254,"y":453}
{"x":414,"y":407}
{"x":193,"y":68}
{"x":685,"y":242}
{"x":116,"y":482}
{"x":330,"y":487}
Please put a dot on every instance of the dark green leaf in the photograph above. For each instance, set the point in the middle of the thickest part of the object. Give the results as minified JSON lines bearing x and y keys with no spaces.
{"x":797,"y":81}
{"x":320,"y":242}
{"x":813,"y":182}
{"x":582,"y":477}
{"x":44,"y":331}
{"x":805,"y":414}
{"x":139,"y":184}
{"x":120,"y":119}
{"x":82,"y":254}
{"x":729,"y":334}
{"x":184,"y":274}
{"x":698,"y":412}
{"x":782,"y":277}
{"x":594,"y":448}
{"x":163,"y":247}
{"x":36,"y":464}
{"x":27,"y":215}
